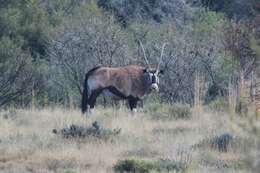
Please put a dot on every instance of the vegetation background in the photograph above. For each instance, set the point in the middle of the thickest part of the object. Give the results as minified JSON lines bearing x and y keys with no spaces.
{"x":212,"y":76}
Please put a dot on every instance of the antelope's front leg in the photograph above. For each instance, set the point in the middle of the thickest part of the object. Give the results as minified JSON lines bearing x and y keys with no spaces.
{"x":133,"y":104}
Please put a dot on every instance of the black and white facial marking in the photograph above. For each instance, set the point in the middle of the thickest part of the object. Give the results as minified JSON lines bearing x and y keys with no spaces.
{"x":153,"y":79}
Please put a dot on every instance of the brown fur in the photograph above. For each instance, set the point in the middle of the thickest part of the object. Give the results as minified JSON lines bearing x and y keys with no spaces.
{"x":129,"y":80}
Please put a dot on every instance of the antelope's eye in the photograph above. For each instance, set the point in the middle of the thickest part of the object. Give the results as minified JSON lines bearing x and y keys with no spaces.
{"x":161,"y":72}
{"x":150,"y":76}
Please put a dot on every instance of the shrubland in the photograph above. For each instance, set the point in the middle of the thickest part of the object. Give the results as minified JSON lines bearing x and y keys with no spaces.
{"x":57,"y":42}
{"x":204,"y":119}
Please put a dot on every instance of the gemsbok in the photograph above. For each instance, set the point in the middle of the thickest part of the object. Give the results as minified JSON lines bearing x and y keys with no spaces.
{"x":130,"y":82}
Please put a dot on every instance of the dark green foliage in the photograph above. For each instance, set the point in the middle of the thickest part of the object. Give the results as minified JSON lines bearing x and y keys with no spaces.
{"x":24,"y":35}
{"x":142,"y":166}
{"x":152,"y":10}
{"x":26,"y":21}
{"x":74,"y":131}
{"x":213,"y":92}
{"x":16,"y":71}
{"x":216,"y":5}
{"x":236,"y":9}
{"x":47,"y":46}
{"x":134,"y":166}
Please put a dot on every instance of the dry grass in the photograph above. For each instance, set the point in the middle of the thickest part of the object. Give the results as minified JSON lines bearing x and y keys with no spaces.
{"x":27,"y":143}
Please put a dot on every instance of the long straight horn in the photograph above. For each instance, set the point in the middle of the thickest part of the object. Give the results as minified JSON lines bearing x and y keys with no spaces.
{"x":160,"y":60}
{"x":145,"y":58}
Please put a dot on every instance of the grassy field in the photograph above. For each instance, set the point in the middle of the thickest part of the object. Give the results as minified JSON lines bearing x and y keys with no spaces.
{"x":27,"y":143}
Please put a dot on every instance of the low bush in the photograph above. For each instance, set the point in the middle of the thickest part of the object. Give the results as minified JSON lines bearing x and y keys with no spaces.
{"x":142,"y":166}
{"x":222,"y":143}
{"x":135,"y":166}
{"x":74,"y":131}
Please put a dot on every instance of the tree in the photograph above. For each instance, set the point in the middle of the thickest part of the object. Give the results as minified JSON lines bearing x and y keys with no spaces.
{"x":197,"y":47}
{"x":83,"y":42}
{"x":16,"y":73}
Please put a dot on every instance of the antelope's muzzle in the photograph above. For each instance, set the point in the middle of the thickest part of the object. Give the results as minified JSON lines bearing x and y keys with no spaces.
{"x":155,"y":87}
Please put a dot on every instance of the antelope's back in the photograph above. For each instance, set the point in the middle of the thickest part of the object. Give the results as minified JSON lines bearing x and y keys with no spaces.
{"x":125,"y":79}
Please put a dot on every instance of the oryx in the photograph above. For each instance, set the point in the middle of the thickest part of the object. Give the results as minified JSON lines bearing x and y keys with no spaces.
{"x":130,"y":82}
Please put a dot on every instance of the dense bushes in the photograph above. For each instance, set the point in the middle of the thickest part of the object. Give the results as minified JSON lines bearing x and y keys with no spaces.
{"x":24,"y":37}
{"x":128,"y":10}
{"x":58,"y":41}
{"x":16,"y":70}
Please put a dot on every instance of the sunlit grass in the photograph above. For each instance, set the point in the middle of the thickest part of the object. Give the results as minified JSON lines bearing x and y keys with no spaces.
{"x":27,"y":143}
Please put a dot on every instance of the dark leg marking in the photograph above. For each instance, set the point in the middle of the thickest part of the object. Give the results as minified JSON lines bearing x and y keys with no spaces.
{"x":93,"y":97}
{"x":132,"y":102}
{"x":115,"y":91}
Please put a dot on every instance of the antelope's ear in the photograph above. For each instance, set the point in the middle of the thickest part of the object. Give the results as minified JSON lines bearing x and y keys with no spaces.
{"x":161,"y":72}
{"x":145,"y":70}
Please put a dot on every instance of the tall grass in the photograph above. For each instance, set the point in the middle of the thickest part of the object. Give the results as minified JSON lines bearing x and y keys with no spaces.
{"x":28,"y":144}
{"x":199,"y":93}
{"x":232,"y":99}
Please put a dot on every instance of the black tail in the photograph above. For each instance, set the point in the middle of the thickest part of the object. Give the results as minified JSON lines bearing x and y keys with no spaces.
{"x":84,"y":103}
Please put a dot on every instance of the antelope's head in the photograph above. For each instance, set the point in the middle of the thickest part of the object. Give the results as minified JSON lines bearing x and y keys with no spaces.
{"x":152,"y":74}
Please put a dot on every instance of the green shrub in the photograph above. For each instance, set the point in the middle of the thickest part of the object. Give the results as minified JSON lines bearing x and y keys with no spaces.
{"x":135,"y":166}
{"x":141,"y":166}
{"x":81,"y":132}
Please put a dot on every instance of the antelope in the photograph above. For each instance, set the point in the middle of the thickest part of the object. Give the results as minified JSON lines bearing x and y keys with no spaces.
{"x":131,"y":82}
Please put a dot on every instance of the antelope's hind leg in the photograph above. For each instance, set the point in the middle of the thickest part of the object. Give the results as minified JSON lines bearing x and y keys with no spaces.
{"x":93,"y":99}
